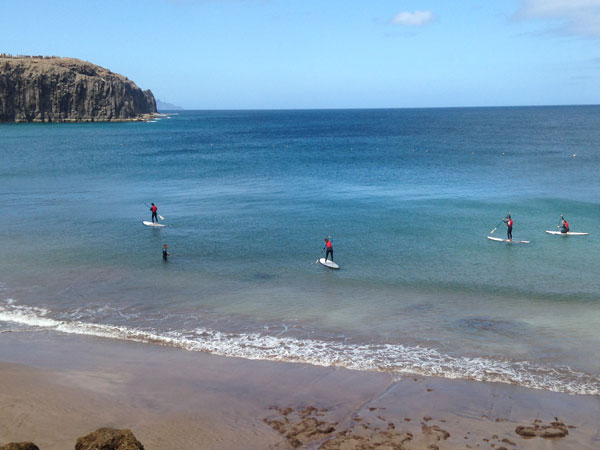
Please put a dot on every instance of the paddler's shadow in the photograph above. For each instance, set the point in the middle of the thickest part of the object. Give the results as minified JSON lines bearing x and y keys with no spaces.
{"x":262,"y":276}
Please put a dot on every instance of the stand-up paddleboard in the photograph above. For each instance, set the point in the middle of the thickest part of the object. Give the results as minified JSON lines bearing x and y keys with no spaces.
{"x":568,"y":233}
{"x":150,"y":224}
{"x":507,"y":241}
{"x":328,"y":263}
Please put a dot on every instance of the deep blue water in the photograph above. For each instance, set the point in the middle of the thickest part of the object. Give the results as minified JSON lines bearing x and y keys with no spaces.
{"x":409,"y":197}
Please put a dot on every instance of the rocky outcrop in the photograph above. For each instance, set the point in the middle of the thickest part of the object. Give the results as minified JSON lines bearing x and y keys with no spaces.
{"x":538,"y":429}
{"x":19,"y":446}
{"x":109,"y":439}
{"x":101,"y":439}
{"x":52,"y":89}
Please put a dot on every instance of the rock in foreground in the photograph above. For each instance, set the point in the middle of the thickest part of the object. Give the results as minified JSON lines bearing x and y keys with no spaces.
{"x":552,"y":431}
{"x":109,"y":439}
{"x":19,"y":446}
{"x":51,"y":89}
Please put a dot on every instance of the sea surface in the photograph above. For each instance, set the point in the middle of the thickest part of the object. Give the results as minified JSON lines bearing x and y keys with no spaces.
{"x":408,"y":196}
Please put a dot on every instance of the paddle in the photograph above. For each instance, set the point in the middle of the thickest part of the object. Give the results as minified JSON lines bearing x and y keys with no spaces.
{"x":159,"y":216}
{"x":501,"y":222}
{"x":496,"y":227}
{"x":319,"y":255}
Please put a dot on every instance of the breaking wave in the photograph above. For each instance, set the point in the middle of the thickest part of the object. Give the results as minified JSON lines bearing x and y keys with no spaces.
{"x":394,"y":358}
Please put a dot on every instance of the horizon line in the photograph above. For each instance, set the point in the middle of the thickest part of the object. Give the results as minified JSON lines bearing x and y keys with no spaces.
{"x":387,"y":108}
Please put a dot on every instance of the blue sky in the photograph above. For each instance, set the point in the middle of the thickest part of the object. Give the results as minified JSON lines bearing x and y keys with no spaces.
{"x":246,"y":54}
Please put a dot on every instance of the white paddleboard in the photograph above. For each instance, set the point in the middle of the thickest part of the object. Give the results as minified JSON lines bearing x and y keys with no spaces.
{"x":328,"y":263}
{"x":506,"y":240}
{"x":568,"y":233}
{"x":150,"y":224}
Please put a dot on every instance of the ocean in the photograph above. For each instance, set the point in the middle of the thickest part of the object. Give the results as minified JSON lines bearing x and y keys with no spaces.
{"x":408,"y":196}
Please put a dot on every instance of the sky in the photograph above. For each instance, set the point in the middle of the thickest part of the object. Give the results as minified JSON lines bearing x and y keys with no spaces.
{"x":288,"y":54}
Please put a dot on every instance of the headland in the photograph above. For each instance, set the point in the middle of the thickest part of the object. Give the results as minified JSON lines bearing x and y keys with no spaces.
{"x":54,"y":89}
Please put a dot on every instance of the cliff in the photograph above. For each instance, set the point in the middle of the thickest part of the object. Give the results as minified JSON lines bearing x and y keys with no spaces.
{"x":52,"y":89}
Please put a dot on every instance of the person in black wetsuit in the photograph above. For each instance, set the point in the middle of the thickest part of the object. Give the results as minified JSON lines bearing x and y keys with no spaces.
{"x":165,"y":252}
{"x":329,"y":248}
{"x":509,"y":224}
{"x":564,"y":225}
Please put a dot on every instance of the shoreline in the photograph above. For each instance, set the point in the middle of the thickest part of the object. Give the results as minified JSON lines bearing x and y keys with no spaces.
{"x":139,"y":118}
{"x":399,"y":359}
{"x":57,"y":387}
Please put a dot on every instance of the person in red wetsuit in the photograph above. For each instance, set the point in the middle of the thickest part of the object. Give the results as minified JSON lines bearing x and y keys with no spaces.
{"x":564,"y":224}
{"x":154,"y":209}
{"x":509,"y":224}
{"x":329,"y":248}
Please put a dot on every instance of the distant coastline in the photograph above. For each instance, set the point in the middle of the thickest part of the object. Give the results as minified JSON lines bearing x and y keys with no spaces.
{"x":165,"y":106}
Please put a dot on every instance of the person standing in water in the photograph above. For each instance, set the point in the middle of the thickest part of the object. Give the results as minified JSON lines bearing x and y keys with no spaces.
{"x":329,"y":248}
{"x":509,"y":224}
{"x":154,"y":210}
{"x":564,"y":224}
{"x":165,"y":252}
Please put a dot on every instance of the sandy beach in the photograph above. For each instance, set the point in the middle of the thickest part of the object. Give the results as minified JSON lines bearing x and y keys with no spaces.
{"x":57,"y":387}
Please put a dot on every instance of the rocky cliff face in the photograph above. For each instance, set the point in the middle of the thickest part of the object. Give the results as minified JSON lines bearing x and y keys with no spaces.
{"x":36,"y":89}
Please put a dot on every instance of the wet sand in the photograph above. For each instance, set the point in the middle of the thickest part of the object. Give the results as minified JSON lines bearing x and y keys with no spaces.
{"x":56,"y":387}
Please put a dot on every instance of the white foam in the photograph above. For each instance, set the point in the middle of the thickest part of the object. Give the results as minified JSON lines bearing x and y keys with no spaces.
{"x":395,"y":358}
{"x":25,"y":315}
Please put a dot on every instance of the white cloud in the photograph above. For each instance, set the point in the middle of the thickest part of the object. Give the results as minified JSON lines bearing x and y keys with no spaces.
{"x":575,"y":17}
{"x":413,"y":19}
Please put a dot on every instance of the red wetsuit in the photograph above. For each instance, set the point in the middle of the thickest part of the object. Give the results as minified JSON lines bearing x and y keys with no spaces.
{"x":329,"y":249}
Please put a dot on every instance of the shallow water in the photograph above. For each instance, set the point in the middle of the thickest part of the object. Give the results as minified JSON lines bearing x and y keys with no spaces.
{"x":409,"y":197}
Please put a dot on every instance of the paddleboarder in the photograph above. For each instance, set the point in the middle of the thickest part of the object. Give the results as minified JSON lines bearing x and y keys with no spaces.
{"x":329,"y":248}
{"x":154,"y":209}
{"x":564,"y":225}
{"x":165,"y":252}
{"x":509,"y":224}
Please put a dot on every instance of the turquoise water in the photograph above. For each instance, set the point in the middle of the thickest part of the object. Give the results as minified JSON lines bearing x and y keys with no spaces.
{"x":409,"y":197}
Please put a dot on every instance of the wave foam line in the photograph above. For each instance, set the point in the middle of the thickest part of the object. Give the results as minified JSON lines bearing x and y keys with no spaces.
{"x":395,"y":358}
